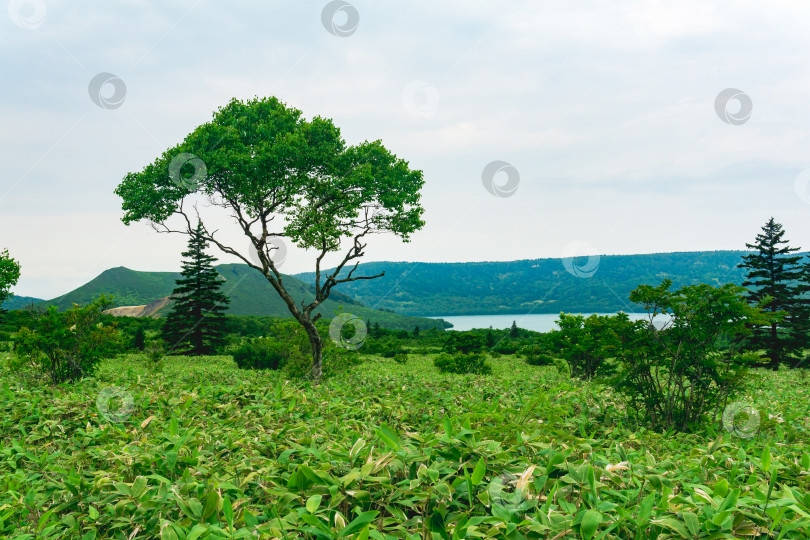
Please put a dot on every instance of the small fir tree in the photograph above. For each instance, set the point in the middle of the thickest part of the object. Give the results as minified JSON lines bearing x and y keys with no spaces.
{"x":196,"y":324}
{"x":773,"y":282}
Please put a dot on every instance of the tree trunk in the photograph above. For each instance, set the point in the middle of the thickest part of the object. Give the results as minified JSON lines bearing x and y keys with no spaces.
{"x":317,"y":351}
{"x":776,"y":356}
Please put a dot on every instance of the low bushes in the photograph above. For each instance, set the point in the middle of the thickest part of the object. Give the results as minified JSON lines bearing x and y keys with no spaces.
{"x":260,"y":353}
{"x":535,"y":355}
{"x":462,"y":363}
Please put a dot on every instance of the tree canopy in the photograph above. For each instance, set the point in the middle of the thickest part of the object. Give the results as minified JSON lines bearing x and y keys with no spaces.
{"x":284,"y":179}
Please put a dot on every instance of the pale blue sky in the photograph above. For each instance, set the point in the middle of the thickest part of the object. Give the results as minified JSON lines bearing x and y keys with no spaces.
{"x":605,"y":109}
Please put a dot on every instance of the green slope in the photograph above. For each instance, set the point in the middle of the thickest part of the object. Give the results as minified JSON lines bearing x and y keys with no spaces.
{"x":19,"y":302}
{"x":533,"y":286}
{"x":249,"y":291}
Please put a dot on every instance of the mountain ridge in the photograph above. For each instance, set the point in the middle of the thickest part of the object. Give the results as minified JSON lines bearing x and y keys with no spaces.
{"x":597,"y":283}
{"x":248,"y":289}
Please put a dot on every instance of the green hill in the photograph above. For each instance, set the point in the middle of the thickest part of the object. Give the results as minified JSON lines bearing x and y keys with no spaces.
{"x":249,"y":291}
{"x":19,"y":302}
{"x":533,"y":286}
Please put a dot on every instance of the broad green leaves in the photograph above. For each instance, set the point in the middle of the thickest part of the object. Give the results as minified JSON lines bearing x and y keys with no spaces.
{"x":368,"y":454}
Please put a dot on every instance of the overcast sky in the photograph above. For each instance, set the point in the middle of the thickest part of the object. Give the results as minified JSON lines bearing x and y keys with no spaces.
{"x":605,"y":114}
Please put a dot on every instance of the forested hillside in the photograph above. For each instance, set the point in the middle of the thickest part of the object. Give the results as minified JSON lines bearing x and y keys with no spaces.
{"x":534,"y":286}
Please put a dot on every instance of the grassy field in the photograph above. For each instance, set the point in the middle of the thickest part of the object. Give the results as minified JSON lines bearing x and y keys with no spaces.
{"x":204,"y":450}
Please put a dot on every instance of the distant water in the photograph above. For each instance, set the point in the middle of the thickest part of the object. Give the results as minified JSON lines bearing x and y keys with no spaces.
{"x":536,"y":322}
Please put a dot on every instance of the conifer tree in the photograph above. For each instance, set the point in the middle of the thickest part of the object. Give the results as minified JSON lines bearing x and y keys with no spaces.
{"x":196,"y":323}
{"x":773,"y":278}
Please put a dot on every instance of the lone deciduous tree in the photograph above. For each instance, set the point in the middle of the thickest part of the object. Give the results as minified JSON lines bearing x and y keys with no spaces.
{"x":283,"y":178}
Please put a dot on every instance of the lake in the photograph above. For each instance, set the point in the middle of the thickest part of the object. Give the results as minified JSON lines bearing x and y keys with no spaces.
{"x":537,"y":322}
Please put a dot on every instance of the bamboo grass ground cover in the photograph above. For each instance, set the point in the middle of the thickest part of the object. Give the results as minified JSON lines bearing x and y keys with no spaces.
{"x":201,"y":449}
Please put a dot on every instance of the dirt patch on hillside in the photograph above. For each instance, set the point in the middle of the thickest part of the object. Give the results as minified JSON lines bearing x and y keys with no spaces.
{"x":149,"y":310}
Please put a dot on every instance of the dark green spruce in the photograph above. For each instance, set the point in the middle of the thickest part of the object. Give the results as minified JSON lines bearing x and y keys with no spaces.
{"x":196,"y":323}
{"x":774,"y":278}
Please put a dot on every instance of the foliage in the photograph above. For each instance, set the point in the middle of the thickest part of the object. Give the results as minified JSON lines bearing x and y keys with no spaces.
{"x":401,"y":358}
{"x":390,"y":350}
{"x":260,"y":353}
{"x":155,"y":350}
{"x":586,"y":343}
{"x":463,"y":363}
{"x":536,"y":355}
{"x":68,"y":346}
{"x":507,"y":346}
{"x":195,"y":324}
{"x":9,"y":274}
{"x":284,"y":179}
{"x":139,"y":338}
{"x":210,"y":451}
{"x":774,"y":283}
{"x":677,"y":373}
{"x":463,"y":342}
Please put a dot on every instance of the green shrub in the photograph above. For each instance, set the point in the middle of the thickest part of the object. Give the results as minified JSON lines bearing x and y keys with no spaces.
{"x":392,"y":350}
{"x":462,"y":363}
{"x":260,"y":353}
{"x":334,"y":360}
{"x":463,"y":343}
{"x":673,"y":376}
{"x":536,"y":356}
{"x":507,"y":346}
{"x":562,"y":366}
{"x":401,"y":358}
{"x":68,"y":346}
